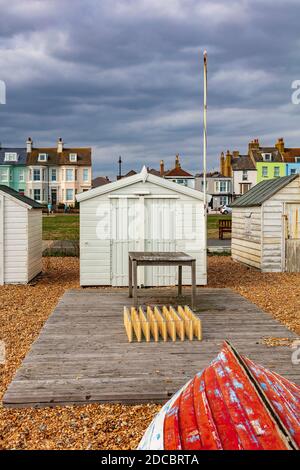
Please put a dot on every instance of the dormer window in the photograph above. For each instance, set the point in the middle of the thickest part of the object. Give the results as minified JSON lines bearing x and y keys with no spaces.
{"x":267,"y":157}
{"x":73,"y":157}
{"x":11,"y":157}
{"x":42,"y":157}
{"x":297,"y":159}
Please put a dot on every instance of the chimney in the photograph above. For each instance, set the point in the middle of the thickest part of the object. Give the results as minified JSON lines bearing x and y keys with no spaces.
{"x":222,"y":164}
{"x":29,"y":145}
{"x":235,"y":153}
{"x":162,"y":168}
{"x":177,"y":162}
{"x":60,"y":145}
{"x":254,"y":144}
{"x":228,"y":169}
{"x":280,"y":145}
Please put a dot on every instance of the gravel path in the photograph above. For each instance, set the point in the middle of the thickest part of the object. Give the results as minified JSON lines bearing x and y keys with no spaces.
{"x":23,"y":311}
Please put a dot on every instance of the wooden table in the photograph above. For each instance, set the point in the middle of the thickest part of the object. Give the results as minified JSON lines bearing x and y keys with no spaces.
{"x":159,"y":258}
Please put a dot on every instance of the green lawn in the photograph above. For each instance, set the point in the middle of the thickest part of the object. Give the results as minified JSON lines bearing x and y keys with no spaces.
{"x":213,"y":225}
{"x":61,"y":227}
{"x":66,"y":227}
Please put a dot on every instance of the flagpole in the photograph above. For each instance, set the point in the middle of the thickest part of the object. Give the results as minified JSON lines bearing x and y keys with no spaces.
{"x":205,"y":147}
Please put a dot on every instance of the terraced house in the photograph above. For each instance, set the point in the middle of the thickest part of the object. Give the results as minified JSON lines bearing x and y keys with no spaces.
{"x":13,"y":171}
{"x":259,"y":164}
{"x":57,"y":174}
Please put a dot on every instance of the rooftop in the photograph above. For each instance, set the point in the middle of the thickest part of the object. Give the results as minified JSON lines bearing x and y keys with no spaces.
{"x":262,"y":191}
{"x":30,"y":202}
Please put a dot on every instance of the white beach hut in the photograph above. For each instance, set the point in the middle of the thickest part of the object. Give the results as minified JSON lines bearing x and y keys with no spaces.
{"x":140,"y":213}
{"x":20,"y":237}
{"x":266,"y":226}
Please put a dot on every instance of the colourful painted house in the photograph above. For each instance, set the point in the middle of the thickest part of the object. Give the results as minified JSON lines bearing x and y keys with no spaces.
{"x":292,"y":168}
{"x":13,"y":170}
{"x":269,"y":170}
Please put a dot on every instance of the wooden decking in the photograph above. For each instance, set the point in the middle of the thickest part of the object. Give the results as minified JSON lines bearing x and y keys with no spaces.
{"x":82,"y":354}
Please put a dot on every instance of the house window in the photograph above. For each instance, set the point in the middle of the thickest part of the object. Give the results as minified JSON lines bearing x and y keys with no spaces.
{"x":73,"y":157}
{"x":53,"y":174}
{"x":222,"y":186}
{"x":223,"y":200}
{"x":293,"y":171}
{"x":69,"y":174}
{"x":245,"y":175}
{"x":37,"y":194}
{"x":10,"y":157}
{"x":85,"y":175}
{"x":276,"y":171}
{"x":21,"y":176}
{"x":42,"y":157}
{"x":36,"y":175}
{"x":267,"y":157}
{"x":265,"y":171}
{"x":4,"y":174}
{"x":69,"y":194}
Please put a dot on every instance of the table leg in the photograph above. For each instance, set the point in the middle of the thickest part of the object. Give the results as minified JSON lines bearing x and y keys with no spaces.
{"x":134,"y":264}
{"x":179,"y":280}
{"x":130,"y":276}
{"x":193,"y":283}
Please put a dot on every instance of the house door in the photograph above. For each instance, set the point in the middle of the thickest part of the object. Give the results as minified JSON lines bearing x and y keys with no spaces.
{"x":53,"y":196}
{"x":142,"y":224}
{"x":292,"y":249}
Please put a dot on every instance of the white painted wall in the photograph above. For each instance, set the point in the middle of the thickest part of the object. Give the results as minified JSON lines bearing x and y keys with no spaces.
{"x":259,"y":241}
{"x":20,"y":241}
{"x":124,"y":208}
{"x":238,"y":178}
{"x":35,"y":248}
{"x":246,"y":235}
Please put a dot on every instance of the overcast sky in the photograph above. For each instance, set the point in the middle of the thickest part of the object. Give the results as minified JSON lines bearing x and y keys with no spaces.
{"x":125,"y":76}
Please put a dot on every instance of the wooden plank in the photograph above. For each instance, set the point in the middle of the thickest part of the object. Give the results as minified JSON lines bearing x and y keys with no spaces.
{"x":162,"y":324}
{"x":179,"y":323}
{"x":197,"y":327}
{"x":153,"y":324}
{"x":128,"y":324}
{"x":135,"y":319}
{"x":83,"y":354}
{"x":145,"y":325}
{"x":171,"y":326}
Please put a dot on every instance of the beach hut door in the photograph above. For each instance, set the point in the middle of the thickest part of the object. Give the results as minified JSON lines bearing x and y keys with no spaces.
{"x":292,"y":238}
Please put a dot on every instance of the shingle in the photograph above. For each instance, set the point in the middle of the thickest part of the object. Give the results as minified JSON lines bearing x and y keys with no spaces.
{"x":20,"y":197}
{"x":262,"y":191}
